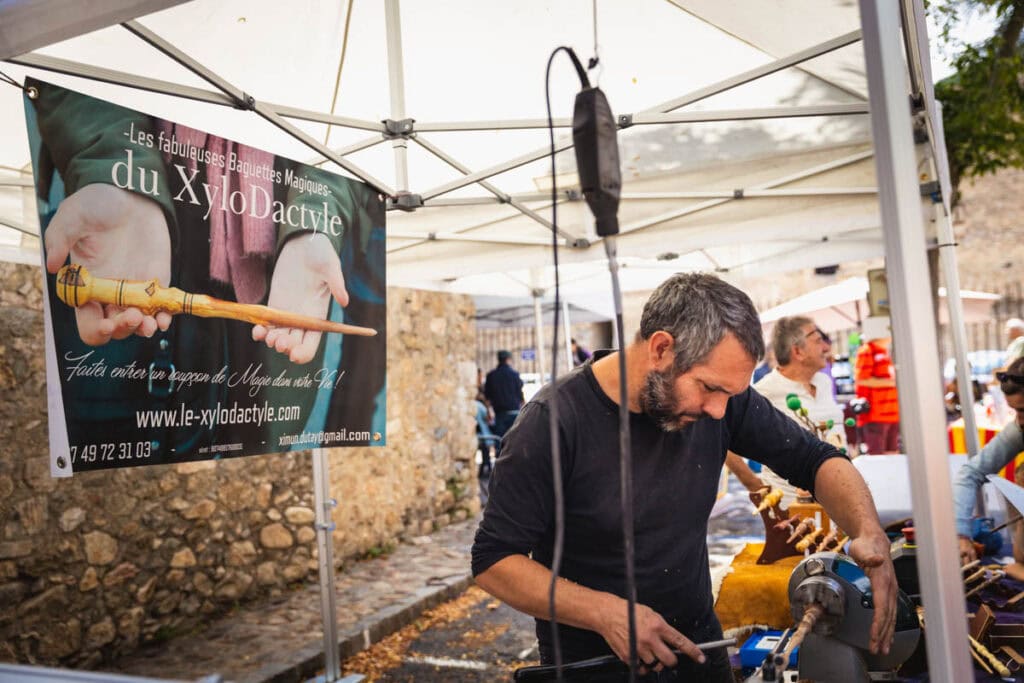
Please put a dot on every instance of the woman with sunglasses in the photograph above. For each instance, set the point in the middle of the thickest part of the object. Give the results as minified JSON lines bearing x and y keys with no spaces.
{"x":993,"y":457}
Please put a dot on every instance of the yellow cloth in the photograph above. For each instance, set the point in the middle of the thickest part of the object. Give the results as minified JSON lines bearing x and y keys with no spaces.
{"x":756,"y":593}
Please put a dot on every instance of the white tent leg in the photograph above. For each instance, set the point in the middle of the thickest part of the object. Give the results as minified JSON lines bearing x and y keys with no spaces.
{"x":396,"y":79}
{"x":538,"y":331}
{"x":921,"y":410}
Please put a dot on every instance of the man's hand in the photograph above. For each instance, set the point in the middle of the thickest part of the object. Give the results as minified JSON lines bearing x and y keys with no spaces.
{"x":871,"y":553}
{"x":655,"y":639}
{"x":117,"y":234}
{"x":968,"y":553}
{"x":307,"y":274}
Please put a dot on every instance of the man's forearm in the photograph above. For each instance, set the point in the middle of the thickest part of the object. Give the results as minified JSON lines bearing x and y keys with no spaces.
{"x":524,"y":584}
{"x":845,"y":496}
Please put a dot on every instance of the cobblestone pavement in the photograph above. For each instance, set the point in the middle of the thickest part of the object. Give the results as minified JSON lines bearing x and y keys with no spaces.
{"x":280,"y":640}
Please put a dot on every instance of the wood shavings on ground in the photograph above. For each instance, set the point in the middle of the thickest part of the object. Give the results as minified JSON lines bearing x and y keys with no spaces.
{"x":389,"y":652}
{"x":474,"y":638}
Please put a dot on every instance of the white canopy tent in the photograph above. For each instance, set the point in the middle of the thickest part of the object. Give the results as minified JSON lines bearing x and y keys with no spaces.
{"x":793,"y":141}
{"x":745,"y":146}
{"x":843,"y":305}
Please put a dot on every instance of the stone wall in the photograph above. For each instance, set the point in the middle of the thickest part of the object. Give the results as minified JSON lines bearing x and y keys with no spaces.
{"x":93,"y":565}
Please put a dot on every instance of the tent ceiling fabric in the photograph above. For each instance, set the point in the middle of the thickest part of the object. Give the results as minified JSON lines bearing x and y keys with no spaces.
{"x":840,"y":306}
{"x":502,"y":311}
{"x":29,"y":24}
{"x":807,"y":183}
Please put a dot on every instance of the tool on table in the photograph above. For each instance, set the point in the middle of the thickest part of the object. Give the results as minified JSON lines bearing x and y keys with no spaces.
{"x":831,"y":599}
{"x":994,"y":578}
{"x":607,"y":664}
{"x":985,"y":654}
{"x":975,"y":576}
{"x":77,"y":287}
{"x":1000,"y":527}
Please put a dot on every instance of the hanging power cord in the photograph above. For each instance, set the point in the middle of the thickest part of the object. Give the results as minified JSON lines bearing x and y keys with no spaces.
{"x":597,"y":162}
{"x":556,"y":454}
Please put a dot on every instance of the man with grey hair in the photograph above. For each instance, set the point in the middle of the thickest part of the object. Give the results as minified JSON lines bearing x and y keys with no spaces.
{"x":802,"y":351}
{"x":1015,"y":337}
{"x":687,"y":377}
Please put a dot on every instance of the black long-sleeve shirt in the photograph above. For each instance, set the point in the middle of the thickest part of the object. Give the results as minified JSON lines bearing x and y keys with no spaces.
{"x":675,"y":477}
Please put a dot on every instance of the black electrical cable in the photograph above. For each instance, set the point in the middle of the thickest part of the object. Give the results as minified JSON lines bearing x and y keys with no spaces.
{"x":625,"y":456}
{"x":7,"y":79}
{"x":556,"y":459}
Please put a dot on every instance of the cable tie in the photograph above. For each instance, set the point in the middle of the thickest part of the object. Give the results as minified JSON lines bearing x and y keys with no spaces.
{"x":31,"y":91}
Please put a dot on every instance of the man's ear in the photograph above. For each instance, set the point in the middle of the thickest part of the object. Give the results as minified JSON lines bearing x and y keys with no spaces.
{"x":661,"y":349}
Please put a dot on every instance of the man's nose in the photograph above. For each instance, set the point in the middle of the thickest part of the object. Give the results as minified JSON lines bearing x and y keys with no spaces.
{"x":714,"y":406}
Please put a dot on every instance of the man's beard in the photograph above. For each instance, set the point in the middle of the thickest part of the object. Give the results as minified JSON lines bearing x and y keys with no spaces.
{"x":658,"y":400}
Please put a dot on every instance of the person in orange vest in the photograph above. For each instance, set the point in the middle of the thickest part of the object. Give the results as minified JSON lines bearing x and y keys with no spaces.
{"x":875,"y":381}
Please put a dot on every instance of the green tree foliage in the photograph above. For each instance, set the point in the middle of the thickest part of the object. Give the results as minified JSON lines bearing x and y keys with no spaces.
{"x":983,"y":101}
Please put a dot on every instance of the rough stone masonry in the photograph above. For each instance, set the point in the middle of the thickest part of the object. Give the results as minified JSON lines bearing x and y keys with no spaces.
{"x":92,"y":566}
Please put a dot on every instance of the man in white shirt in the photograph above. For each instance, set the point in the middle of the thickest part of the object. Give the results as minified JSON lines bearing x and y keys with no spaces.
{"x":802,"y":351}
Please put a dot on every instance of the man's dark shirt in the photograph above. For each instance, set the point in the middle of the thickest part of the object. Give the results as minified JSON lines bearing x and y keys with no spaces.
{"x":675,"y":479}
{"x":504,"y":388}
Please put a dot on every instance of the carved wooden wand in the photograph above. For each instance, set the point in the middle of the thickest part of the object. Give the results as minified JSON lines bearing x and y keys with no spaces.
{"x":76,"y":287}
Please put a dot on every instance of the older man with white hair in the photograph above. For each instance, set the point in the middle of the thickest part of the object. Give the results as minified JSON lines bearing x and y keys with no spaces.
{"x":1015,"y":336}
{"x":802,"y":352}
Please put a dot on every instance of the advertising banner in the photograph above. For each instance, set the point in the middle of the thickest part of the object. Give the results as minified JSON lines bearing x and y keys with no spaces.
{"x":205,"y":299}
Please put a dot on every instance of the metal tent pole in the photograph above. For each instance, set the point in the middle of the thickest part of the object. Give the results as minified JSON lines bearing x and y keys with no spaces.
{"x":244,"y":100}
{"x":920,"y":394}
{"x":538,"y":331}
{"x":567,"y":333}
{"x":396,"y":81}
{"x":325,"y":554}
{"x":947,"y":252}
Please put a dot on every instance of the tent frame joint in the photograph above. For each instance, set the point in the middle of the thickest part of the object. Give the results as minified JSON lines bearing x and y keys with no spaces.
{"x":245,"y":101}
{"x":400,"y":128}
{"x":405,"y":201}
{"x":625,"y":120}
{"x":578,"y":243}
